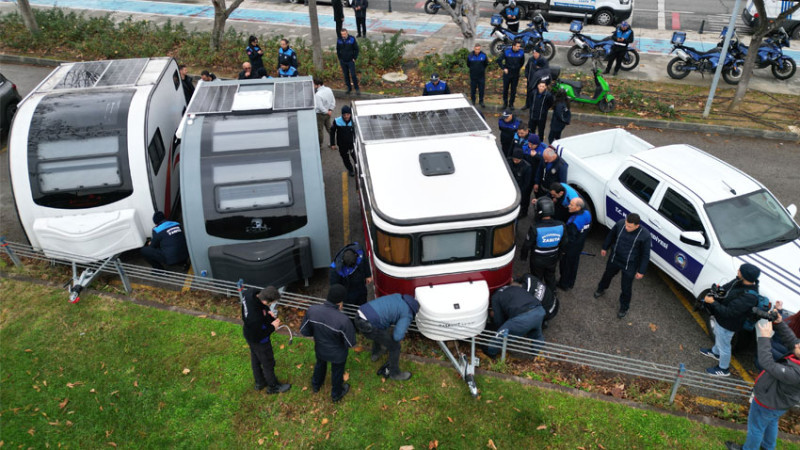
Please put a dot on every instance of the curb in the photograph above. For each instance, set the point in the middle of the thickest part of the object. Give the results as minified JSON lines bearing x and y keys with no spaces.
{"x":585,"y":117}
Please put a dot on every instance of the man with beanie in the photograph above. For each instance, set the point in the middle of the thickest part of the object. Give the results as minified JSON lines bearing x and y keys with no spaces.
{"x":516,"y":312}
{"x":351,"y":269}
{"x":259,"y":323}
{"x":630,"y":253}
{"x":730,"y":312}
{"x":523,"y":175}
{"x":385,"y":321}
{"x":777,"y":387}
{"x":333,"y":336}
{"x":343,"y":138}
{"x":167,"y":247}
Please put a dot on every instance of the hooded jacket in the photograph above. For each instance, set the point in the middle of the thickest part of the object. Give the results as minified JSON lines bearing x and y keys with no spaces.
{"x":257,"y":322}
{"x":394,"y":309}
{"x":354,"y":279}
{"x":778,"y":385}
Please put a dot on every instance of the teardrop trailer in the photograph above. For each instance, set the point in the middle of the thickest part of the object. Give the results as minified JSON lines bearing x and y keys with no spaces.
{"x":439,"y":208}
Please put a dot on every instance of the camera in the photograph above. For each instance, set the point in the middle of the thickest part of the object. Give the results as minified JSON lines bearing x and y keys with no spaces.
{"x":716,"y":291}
{"x":770,"y":316}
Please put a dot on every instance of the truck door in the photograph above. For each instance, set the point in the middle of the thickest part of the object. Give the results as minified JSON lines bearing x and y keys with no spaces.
{"x":675,"y":214}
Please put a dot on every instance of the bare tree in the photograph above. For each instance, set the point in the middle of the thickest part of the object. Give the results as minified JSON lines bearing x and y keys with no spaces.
{"x":468,"y":21}
{"x":221,"y":14}
{"x":27,"y":16}
{"x":316,"y":41}
{"x":763,"y":28}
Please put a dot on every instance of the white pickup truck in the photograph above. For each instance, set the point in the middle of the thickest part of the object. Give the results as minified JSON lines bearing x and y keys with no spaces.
{"x":706,"y":217}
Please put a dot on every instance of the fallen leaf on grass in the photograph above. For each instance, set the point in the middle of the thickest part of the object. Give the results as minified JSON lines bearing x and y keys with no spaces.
{"x":415,"y":399}
{"x":135,"y":383}
{"x":260,"y":441}
{"x":433,"y":444}
{"x":346,"y":376}
{"x":327,"y":435}
{"x":186,"y":371}
{"x":72,"y":385}
{"x":27,"y":350}
{"x":491,"y":445}
{"x":31,"y":431}
{"x":541,"y":427}
{"x":450,"y":419}
{"x":406,"y":447}
{"x":113,"y":444}
{"x":276,"y":433}
{"x":63,"y":404}
{"x":214,"y":334}
{"x":653,"y":327}
{"x":282,"y":346}
{"x":324,"y":421}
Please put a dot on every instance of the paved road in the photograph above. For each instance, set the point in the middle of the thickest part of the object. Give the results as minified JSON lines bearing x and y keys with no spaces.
{"x":658,"y":327}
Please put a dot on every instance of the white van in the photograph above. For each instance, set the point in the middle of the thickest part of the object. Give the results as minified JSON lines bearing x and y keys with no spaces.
{"x":774,"y":8}
{"x":600,"y":12}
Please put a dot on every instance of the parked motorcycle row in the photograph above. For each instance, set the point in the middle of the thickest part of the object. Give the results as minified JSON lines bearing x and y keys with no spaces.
{"x":531,"y":37}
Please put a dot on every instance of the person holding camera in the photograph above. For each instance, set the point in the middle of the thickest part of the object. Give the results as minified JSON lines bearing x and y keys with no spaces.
{"x":730,"y":310}
{"x":259,"y":323}
{"x":777,"y":387}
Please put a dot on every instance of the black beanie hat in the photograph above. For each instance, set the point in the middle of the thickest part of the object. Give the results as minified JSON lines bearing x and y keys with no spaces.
{"x":346,"y":110}
{"x":158,"y":217}
{"x":749,"y":272}
{"x":336,"y":294}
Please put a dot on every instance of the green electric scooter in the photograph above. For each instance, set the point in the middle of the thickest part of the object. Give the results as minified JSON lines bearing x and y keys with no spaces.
{"x":602,"y":94}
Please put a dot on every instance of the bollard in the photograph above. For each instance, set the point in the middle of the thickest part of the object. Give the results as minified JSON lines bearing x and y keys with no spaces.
{"x":702,"y":25}
{"x":10,"y":252}
{"x":678,"y":379}
{"x":505,"y":345}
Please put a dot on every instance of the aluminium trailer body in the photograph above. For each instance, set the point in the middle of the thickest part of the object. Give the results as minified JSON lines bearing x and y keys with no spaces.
{"x":253,"y":194}
{"x":91,"y":156}
{"x":439,"y":208}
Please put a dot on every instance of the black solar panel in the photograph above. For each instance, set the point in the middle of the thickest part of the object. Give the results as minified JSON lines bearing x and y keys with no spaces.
{"x":294,"y":95}
{"x":212,"y":98}
{"x":123,"y":72}
{"x":83,"y":75}
{"x":420,"y":124}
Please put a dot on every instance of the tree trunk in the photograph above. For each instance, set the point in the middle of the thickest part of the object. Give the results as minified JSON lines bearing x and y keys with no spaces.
{"x":316,"y":40}
{"x":221,"y":14}
{"x":27,"y":16}
{"x":468,"y":23}
{"x":763,"y":28}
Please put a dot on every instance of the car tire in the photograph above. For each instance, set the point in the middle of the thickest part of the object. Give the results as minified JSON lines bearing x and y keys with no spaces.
{"x":796,"y":33}
{"x":603,"y":17}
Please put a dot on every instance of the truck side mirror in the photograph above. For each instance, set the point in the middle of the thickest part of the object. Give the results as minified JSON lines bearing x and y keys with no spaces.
{"x":792,"y":210}
{"x":695,"y":238}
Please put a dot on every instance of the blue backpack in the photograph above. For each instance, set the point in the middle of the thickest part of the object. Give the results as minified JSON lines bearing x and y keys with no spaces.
{"x":763,"y":304}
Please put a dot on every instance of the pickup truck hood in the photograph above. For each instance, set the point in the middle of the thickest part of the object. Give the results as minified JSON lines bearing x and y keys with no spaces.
{"x":780,"y":273}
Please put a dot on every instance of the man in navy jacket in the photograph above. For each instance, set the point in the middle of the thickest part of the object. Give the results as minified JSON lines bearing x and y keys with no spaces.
{"x":168,"y":244}
{"x":477,"y":61}
{"x":259,"y":323}
{"x":375,"y":321}
{"x":350,"y":268}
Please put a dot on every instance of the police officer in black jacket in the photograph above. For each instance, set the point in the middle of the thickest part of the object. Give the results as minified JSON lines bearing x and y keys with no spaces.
{"x":259,"y":323}
{"x":578,"y":225}
{"x":436,"y":86}
{"x":168,"y":244}
{"x":351,"y":269}
{"x":347,"y":52}
{"x":477,"y":61}
{"x":541,"y":100}
{"x":508,"y":126}
{"x":287,"y":55}
{"x":511,"y":61}
{"x":552,"y":169}
{"x":523,"y":175}
{"x":534,"y":71}
{"x":515,"y":312}
{"x":343,"y":138}
{"x":546,"y":237}
{"x":333,"y":334}
{"x":630,"y":253}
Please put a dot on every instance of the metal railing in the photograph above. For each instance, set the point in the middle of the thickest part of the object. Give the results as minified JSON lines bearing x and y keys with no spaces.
{"x":676,"y":375}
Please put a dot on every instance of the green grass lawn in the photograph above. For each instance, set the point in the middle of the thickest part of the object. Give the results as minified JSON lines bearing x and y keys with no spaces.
{"x":105,"y":373}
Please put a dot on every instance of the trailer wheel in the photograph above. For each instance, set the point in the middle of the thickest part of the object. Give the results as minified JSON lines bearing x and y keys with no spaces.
{"x":604,"y":17}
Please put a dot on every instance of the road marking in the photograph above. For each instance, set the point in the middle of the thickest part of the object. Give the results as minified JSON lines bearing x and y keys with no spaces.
{"x":345,"y":208}
{"x":3,"y":150}
{"x":187,"y":283}
{"x":700,"y":321}
{"x":661,"y":15}
{"x":676,"y":20}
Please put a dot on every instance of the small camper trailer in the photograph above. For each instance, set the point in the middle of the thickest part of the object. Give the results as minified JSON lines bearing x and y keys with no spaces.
{"x":91,"y":155}
{"x":251,"y":181}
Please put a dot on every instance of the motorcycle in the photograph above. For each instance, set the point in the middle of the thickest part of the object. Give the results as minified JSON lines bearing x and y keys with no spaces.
{"x":585,"y":47}
{"x":433,"y":6}
{"x":602,"y":92}
{"x":531,"y":37}
{"x":770,"y":53}
{"x":691,"y":60}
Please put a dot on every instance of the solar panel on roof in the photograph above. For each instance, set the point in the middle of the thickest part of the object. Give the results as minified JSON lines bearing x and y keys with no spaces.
{"x":211,"y":99}
{"x":294,"y":95}
{"x":420,"y":124}
{"x":83,"y":75}
{"x":123,"y":72}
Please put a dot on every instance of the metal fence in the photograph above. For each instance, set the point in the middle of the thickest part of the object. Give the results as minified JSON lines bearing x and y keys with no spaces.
{"x":677,"y":375}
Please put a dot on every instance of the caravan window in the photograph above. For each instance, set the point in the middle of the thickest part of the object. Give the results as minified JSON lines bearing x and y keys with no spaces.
{"x":156,"y":151}
{"x":393,"y":249}
{"x":451,"y":247}
{"x":252,"y":176}
{"x":503,"y":239}
{"x":77,"y":149}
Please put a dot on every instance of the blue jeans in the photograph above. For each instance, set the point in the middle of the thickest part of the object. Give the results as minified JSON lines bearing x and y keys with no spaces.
{"x":527,"y":324}
{"x":762,"y":427}
{"x":349,"y":71}
{"x":722,"y":345}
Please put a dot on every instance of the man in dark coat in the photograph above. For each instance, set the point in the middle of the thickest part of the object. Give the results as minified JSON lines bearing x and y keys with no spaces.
{"x":545,"y":242}
{"x":537,"y":68}
{"x":629,"y":243}
{"x":347,"y":52}
{"x":511,"y":61}
{"x":343,"y":138}
{"x":167,"y":247}
{"x":385,"y":321}
{"x":578,"y":225}
{"x":351,"y":269}
{"x":515,"y":312}
{"x":477,"y":61}
{"x":730,"y":313}
{"x":333,"y":335}
{"x":186,"y":82}
{"x":551,"y":169}
{"x":338,"y":15}
{"x":523,"y":175}
{"x":360,"y":8}
{"x":508,"y":126}
{"x":541,"y":101}
{"x":258,"y":325}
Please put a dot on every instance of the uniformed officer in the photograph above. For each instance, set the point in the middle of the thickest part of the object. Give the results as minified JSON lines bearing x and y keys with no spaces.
{"x":562,"y":194}
{"x":436,"y":86}
{"x":287,"y":55}
{"x":523,"y":175}
{"x":511,"y":15}
{"x":511,"y":61}
{"x":578,"y":225}
{"x":539,"y":290}
{"x":343,"y":138}
{"x":622,"y":36}
{"x":534,"y":71}
{"x":552,"y":169}
{"x":168,"y":244}
{"x":515,"y":312}
{"x":546,"y":238}
{"x":477,"y":61}
{"x":287,"y":71}
{"x":508,"y":126}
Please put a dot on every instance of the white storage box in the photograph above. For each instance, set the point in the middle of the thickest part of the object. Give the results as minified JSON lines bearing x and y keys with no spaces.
{"x":452,"y":311}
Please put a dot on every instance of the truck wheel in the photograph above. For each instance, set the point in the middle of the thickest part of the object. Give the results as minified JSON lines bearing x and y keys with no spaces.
{"x":523,"y":12}
{"x":575,"y":57}
{"x":603,"y":17}
{"x":631,"y":60}
{"x":677,"y":69}
{"x":497,"y":46}
{"x":788,"y":70}
{"x":606,"y":105}
{"x":430,"y":7}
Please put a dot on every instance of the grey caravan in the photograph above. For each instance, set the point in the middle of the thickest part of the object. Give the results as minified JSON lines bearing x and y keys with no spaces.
{"x":251,"y":181}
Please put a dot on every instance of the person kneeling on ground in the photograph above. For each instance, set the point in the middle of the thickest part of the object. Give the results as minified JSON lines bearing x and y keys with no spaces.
{"x":168,"y":244}
{"x":375,"y":320}
{"x":259,"y":323}
{"x":350,"y":269}
{"x":515,"y":312}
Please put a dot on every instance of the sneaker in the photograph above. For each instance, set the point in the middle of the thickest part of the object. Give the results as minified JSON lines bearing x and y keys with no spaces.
{"x":345,"y":390}
{"x":402,"y":376}
{"x":377,"y":355}
{"x":259,"y":387}
{"x":606,"y":72}
{"x":709,"y":353}
{"x":349,"y":90}
{"x":599,"y":293}
{"x":733,"y":446}
{"x":351,"y":173}
{"x":717,"y":371}
{"x":315,"y":389}
{"x":482,"y":105}
{"x":510,"y":107}
{"x":616,"y":72}
{"x":358,"y":92}
{"x":279,"y":388}
{"x":622,"y":313}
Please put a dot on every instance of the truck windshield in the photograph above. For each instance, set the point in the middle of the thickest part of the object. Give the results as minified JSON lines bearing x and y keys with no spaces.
{"x":751,"y":222}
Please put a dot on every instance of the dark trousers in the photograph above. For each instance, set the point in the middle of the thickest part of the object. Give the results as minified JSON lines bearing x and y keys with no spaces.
{"x":349,"y":71}
{"x":479,"y":85}
{"x":337,"y":377}
{"x":617,"y":54}
{"x":510,"y":82}
{"x":627,"y":284}
{"x":346,"y":154}
{"x":262,"y":361}
{"x":339,"y":28}
{"x":546,"y":273}
{"x":514,"y":28}
{"x":525,"y":203}
{"x":154,"y":256}
{"x":554,"y":134}
{"x":361,"y":25}
{"x":568,"y":267}
{"x":381,"y":339}
{"x":538,"y":126}
{"x":527,"y":324}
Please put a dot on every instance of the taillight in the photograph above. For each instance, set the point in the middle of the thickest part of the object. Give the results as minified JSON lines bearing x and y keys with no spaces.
{"x":755,"y":16}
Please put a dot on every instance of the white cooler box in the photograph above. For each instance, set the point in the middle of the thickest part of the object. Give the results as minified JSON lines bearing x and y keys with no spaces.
{"x":452,"y":311}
